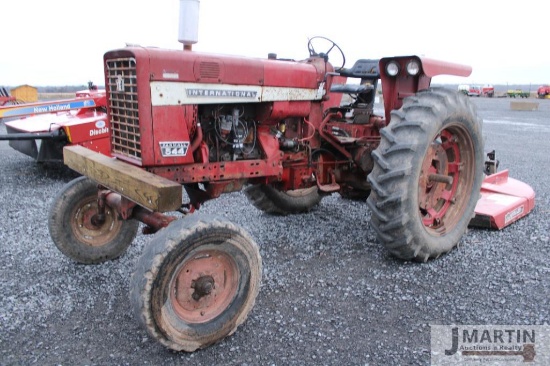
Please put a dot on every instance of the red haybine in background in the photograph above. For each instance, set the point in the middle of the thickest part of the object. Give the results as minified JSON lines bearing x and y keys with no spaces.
{"x":41,"y":130}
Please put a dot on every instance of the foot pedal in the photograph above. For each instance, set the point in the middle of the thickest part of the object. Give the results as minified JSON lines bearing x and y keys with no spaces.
{"x":331,"y":187}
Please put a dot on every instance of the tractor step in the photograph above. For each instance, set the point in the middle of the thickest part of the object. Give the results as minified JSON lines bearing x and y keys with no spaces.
{"x":503,"y":201}
{"x":344,"y":140}
{"x":329,"y":188}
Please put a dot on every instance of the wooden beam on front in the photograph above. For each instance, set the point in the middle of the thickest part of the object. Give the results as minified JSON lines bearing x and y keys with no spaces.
{"x":146,"y":189}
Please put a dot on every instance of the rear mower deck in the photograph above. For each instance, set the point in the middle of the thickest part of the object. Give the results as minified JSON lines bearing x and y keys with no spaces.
{"x":503,"y":201}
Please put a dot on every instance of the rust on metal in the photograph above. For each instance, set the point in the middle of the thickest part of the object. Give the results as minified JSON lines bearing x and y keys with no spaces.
{"x":86,"y":226}
{"x":440,"y":178}
{"x":204,"y":286}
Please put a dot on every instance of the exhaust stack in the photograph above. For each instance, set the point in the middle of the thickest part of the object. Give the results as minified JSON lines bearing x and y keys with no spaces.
{"x":189,"y":23}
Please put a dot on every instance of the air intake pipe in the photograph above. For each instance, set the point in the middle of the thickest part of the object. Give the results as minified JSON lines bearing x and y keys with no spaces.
{"x":188,"y":33}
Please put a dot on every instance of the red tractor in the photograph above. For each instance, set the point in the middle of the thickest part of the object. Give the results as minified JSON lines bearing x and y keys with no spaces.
{"x":543,"y":91}
{"x":276,"y":128}
{"x":488,"y":91}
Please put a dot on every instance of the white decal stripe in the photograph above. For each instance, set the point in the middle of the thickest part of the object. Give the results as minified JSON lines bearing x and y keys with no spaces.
{"x":165,"y":93}
{"x":271,"y":94}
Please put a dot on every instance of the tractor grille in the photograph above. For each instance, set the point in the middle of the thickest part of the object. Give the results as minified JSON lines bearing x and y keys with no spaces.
{"x":123,"y":103}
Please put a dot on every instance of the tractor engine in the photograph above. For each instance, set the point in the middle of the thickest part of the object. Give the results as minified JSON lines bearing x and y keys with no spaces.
{"x":230,"y":133}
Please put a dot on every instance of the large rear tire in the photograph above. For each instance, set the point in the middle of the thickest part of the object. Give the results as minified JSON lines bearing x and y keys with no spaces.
{"x":74,"y":231}
{"x":196,"y":282}
{"x":427,"y":175}
{"x":273,"y":201}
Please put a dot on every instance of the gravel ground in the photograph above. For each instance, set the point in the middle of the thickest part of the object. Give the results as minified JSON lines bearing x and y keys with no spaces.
{"x":330,"y":295}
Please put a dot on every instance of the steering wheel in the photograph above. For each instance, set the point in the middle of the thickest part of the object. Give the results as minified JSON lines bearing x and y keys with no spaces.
{"x":332,"y":45}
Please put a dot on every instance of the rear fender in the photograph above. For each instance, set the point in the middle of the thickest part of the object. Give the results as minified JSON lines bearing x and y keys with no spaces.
{"x":396,"y":88}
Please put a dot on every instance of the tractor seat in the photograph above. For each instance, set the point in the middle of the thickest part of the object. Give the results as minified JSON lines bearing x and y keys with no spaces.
{"x":351,"y":88}
{"x":364,"y":69}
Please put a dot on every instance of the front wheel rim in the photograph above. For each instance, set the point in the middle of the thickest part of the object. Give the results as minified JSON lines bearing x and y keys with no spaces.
{"x":86,"y":231}
{"x":204,"y":286}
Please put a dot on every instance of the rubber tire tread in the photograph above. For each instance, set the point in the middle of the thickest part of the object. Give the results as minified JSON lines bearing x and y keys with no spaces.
{"x":177,"y":238}
{"x":394,"y":179}
{"x":59,"y":226}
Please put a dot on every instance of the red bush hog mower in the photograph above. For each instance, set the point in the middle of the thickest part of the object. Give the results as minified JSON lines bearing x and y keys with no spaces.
{"x":41,"y":130}
{"x":276,"y":128}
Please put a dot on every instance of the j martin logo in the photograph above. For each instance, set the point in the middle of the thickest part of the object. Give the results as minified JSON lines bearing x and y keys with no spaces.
{"x":499,"y":342}
{"x":490,"y":345}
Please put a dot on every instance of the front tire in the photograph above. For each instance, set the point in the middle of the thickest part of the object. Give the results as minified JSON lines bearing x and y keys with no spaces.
{"x":427,"y":175}
{"x":74,"y":232}
{"x":196,"y":282}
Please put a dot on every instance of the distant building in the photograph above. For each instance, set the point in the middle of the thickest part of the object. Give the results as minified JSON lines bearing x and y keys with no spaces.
{"x":25,"y":93}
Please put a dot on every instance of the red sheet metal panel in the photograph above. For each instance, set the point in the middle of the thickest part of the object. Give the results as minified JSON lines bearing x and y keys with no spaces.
{"x":433,"y":68}
{"x":503,"y":201}
{"x":187,"y":66}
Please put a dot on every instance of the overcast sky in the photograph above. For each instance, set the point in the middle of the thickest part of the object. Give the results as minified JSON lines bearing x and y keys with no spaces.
{"x":61,"y":42}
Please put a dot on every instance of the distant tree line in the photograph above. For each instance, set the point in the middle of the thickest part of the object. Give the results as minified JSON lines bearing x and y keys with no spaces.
{"x":56,"y":88}
{"x":63,"y":89}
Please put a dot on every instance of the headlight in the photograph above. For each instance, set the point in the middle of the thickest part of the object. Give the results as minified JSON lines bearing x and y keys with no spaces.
{"x":392,"y":68}
{"x":413,"y":68}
